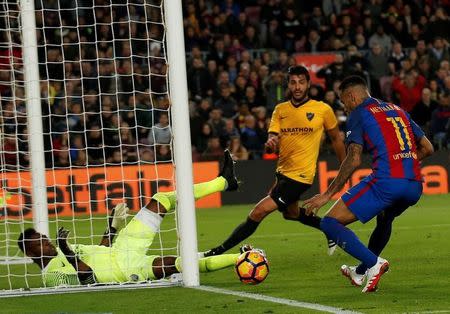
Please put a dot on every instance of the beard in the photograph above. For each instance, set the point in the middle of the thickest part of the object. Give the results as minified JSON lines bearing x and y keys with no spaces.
{"x":300,"y":99}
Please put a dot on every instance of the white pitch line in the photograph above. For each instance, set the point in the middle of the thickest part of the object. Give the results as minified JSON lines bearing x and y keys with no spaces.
{"x":261,"y":297}
{"x":429,"y":312}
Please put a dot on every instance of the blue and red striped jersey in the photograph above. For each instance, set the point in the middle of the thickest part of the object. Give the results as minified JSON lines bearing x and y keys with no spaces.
{"x":389,"y":134}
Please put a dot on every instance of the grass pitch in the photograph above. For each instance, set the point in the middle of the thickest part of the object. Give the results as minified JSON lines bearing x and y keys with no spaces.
{"x":418,"y":280}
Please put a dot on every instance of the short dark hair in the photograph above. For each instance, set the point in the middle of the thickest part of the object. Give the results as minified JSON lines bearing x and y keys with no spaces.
{"x":299,"y":70}
{"x":24,"y":236}
{"x":352,"y":80}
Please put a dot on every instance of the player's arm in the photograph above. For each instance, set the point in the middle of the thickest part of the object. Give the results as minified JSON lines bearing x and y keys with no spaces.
{"x":348,"y":166}
{"x":84,"y":272}
{"x":424,"y":148}
{"x":337,"y":142}
{"x":271,"y":146}
{"x":116,"y":222}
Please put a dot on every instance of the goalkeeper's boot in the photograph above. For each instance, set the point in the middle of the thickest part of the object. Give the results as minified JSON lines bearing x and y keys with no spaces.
{"x":228,"y":171}
{"x":355,"y":278}
{"x":332,"y":246}
{"x":374,"y":274}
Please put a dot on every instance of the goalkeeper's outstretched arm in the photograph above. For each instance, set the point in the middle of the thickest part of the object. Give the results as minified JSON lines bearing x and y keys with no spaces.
{"x":84,"y":272}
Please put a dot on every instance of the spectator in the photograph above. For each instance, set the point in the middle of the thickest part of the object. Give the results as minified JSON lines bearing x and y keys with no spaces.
{"x":238,"y":150}
{"x":409,"y":89}
{"x":314,"y":42}
{"x":421,"y":113}
{"x":440,"y":121}
{"x":275,"y":90}
{"x":253,"y":138}
{"x":438,"y":53}
{"x":334,"y":71}
{"x":161,"y":133}
{"x":229,"y":132}
{"x":206,"y":133}
{"x":251,"y":39}
{"x":219,"y":53}
{"x":379,"y":70}
{"x":216,"y":121}
{"x":213,"y":151}
{"x":200,"y":82}
{"x":163,"y":153}
{"x":396,"y":57}
{"x":291,"y":30}
{"x":226,"y":102}
{"x":382,"y":39}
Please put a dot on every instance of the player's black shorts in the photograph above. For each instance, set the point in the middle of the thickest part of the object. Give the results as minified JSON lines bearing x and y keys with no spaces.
{"x":287,"y":191}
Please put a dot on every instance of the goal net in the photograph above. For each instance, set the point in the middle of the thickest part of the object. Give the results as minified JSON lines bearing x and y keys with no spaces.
{"x":103,"y":81}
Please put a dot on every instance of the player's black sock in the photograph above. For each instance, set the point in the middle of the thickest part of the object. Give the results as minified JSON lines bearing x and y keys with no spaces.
{"x":378,"y":239}
{"x":242,"y":232}
{"x":312,"y":221}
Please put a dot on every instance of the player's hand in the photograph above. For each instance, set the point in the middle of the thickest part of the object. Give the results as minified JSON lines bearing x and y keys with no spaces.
{"x":271,"y":146}
{"x":313,"y":204}
{"x":120,"y":213}
{"x":61,"y":237}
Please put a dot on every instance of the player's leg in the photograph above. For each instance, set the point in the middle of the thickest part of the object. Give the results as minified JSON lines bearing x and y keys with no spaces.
{"x":298,"y":214}
{"x":168,"y":265}
{"x":225,"y":181}
{"x":379,"y":238}
{"x":362,"y":202}
{"x":284,"y":193}
{"x":246,"y":228}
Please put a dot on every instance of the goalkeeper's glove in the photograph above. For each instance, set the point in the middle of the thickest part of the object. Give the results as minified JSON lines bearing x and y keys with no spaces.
{"x":119,"y":216}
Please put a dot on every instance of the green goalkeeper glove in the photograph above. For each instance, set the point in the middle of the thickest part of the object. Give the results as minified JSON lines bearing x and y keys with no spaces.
{"x":119,"y":219}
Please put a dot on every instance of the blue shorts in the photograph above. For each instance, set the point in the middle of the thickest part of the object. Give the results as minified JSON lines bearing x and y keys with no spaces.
{"x":373,"y":195}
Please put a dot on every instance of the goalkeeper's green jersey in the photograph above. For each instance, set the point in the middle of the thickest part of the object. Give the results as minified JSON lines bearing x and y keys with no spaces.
{"x":59,"y":272}
{"x":102,"y":260}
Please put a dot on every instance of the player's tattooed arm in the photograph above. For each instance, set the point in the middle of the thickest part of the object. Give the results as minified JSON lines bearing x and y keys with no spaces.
{"x":424,"y":148}
{"x":350,"y":163}
{"x":84,"y":272}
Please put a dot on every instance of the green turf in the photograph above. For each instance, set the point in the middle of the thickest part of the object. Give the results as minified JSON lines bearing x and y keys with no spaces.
{"x":300,"y":270}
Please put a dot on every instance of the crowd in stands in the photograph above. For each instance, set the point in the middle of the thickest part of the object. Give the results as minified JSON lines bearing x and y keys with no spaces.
{"x":239,"y":52}
{"x":105,"y":97}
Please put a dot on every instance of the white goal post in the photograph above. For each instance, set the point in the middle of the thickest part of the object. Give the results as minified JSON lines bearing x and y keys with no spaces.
{"x":84,"y":88}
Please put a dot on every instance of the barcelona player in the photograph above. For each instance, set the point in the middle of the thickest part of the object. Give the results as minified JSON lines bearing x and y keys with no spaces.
{"x":397,"y":144}
{"x":295,"y":132}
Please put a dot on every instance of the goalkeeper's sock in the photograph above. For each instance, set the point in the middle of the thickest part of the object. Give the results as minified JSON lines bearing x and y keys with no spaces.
{"x":242,"y":232}
{"x":219,"y":184}
{"x":168,"y":199}
{"x":212,"y":263}
{"x":347,"y":240}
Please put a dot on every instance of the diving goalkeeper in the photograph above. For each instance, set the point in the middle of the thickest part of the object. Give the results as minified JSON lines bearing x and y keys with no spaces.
{"x":125,"y":259}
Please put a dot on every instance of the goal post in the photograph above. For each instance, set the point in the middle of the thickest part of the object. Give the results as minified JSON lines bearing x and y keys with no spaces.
{"x":94,"y":113}
{"x":34,"y":116}
{"x":182,"y":141}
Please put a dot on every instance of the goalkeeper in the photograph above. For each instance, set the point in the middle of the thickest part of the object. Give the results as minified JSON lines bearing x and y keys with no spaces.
{"x":125,"y":259}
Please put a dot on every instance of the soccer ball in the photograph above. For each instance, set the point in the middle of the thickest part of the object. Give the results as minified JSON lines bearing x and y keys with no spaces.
{"x":252,"y":267}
